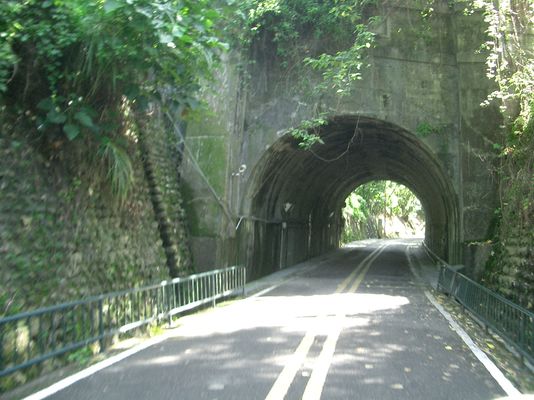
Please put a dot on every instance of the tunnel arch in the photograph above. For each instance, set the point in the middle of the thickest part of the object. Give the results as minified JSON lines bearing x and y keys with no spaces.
{"x":294,"y":197}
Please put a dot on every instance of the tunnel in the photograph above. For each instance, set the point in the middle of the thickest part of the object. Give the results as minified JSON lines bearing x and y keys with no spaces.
{"x":292,"y":206}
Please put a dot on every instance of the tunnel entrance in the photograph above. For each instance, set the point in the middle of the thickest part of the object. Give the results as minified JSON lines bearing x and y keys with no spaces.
{"x":292,"y":209}
{"x":382,"y":209}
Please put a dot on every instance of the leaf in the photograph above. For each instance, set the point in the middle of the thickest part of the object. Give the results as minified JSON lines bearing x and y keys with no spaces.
{"x":46,"y":104}
{"x":71,"y":130}
{"x":187,"y":39}
{"x":111,"y":5}
{"x":142,"y":102}
{"x":132,"y":91}
{"x":84,"y":119}
{"x":56,"y":117}
{"x":26,"y":221}
{"x":165,"y":38}
{"x":178,"y":31}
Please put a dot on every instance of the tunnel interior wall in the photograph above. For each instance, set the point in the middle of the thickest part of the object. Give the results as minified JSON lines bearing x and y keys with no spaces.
{"x":299,"y":194}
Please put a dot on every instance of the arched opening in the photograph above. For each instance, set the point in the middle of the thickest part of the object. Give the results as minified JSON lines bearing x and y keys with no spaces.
{"x":292,"y":209}
{"x":382,"y":209}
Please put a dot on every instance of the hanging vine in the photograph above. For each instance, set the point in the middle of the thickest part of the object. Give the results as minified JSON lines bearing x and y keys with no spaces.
{"x":311,"y":37}
{"x":511,"y":65}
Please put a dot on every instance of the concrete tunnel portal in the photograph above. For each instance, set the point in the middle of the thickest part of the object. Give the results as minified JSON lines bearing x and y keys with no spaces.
{"x":292,"y":208}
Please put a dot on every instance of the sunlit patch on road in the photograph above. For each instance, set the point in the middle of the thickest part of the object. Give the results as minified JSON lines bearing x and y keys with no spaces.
{"x":294,"y":313}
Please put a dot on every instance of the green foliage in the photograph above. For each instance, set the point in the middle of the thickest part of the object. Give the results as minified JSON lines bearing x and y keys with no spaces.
{"x":297,"y":29}
{"x":119,"y":167}
{"x":289,"y":23}
{"x":511,"y":55}
{"x":510,"y":64}
{"x":307,"y":133}
{"x":425,"y":129}
{"x":81,"y":357}
{"x":328,"y":37}
{"x":7,"y":60}
{"x":377,"y":201}
{"x":341,"y":69}
{"x":78,"y":68}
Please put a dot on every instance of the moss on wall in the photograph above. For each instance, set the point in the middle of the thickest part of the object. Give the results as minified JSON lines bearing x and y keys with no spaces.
{"x":205,"y":185}
{"x":63,"y":236}
{"x":510,"y":270}
{"x":161,"y":150}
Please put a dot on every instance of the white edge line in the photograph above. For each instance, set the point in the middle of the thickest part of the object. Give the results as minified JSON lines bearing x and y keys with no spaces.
{"x":262,"y":292}
{"x":495,"y":372}
{"x":70,"y":380}
{"x":64,"y":383}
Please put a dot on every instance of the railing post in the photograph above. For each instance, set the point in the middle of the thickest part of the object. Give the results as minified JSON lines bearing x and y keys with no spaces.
{"x":244,"y":280}
{"x":167,"y":305}
{"x":101,"y":325}
{"x":213,"y":290}
{"x":522,"y":328}
{"x":440,"y":278}
{"x":2,"y":330}
{"x":453,"y":281}
{"x":486,"y":312}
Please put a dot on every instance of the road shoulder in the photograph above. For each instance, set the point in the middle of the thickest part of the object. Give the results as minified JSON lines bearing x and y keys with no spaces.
{"x":510,"y":364}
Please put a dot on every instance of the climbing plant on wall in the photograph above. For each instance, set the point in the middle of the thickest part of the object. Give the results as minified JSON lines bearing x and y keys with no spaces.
{"x":299,"y":33}
{"x":510,"y":64}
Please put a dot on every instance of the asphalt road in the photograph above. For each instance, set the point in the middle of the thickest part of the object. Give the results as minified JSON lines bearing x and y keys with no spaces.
{"x":355,"y":326}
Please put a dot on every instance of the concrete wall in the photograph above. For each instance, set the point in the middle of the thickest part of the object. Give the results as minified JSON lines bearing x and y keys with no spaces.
{"x":422,"y":73}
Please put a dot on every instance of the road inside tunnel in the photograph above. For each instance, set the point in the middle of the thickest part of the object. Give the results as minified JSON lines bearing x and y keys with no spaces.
{"x":353,"y":324}
{"x":294,"y":200}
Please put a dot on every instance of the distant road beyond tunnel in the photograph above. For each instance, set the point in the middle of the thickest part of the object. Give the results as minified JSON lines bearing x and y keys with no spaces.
{"x":353,"y":325}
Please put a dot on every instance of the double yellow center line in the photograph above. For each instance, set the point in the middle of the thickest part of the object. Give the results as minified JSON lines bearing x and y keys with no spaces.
{"x":317,"y":379}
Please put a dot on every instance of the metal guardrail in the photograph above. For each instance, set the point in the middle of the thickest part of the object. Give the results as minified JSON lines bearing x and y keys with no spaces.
{"x":514,"y":323}
{"x":29,"y":338}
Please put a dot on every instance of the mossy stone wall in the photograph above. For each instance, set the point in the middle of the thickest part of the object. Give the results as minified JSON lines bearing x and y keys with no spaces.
{"x":64,"y":236}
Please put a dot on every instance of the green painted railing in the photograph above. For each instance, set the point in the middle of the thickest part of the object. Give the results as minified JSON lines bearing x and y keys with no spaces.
{"x":29,"y":338}
{"x":513,"y":323}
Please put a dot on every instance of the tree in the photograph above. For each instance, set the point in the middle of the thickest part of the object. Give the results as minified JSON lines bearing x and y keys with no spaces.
{"x":369,"y":209}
